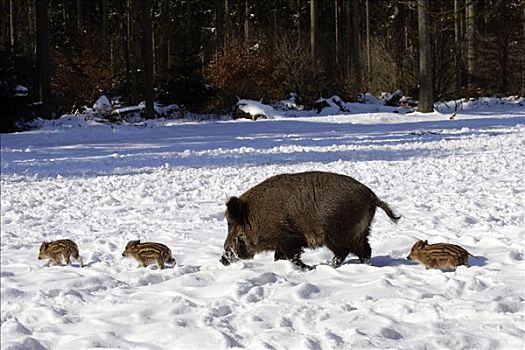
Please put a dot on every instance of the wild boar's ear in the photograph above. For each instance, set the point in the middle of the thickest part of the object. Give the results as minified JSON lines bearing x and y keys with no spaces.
{"x":45,"y":245}
{"x":426,"y":242}
{"x":237,"y":209}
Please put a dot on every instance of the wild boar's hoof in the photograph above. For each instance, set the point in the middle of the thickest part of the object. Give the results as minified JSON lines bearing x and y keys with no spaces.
{"x":297,"y":261}
{"x":336,"y":262}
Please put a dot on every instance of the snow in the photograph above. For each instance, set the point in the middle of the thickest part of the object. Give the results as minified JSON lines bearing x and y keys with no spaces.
{"x":458,"y":181}
{"x":20,"y":91}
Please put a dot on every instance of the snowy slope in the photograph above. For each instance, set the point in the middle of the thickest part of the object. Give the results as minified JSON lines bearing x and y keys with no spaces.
{"x":458,"y":181}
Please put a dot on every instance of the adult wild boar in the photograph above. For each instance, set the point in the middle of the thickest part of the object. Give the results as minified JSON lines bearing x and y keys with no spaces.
{"x":289,"y":212}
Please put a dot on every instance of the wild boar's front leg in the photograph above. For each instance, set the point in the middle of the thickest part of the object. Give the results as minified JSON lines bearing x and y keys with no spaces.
{"x":296,"y":259}
{"x":279,"y":255}
{"x":291,"y":249}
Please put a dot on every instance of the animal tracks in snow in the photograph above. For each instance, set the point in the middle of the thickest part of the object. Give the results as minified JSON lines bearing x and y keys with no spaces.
{"x":458,"y":181}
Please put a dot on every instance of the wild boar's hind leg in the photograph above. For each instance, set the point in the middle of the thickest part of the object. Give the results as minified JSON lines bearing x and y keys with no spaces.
{"x":340,"y":254}
{"x":360,"y":245}
{"x":364,"y":251}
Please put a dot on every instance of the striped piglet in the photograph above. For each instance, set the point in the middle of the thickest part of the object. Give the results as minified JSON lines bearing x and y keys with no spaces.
{"x":56,"y":251}
{"x":439,"y":256}
{"x":149,"y":252}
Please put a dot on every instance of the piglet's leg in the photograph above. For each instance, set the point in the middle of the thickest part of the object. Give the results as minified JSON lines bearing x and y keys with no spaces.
{"x":160,"y":263}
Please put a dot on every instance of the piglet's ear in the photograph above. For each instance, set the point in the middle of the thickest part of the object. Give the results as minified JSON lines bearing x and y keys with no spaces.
{"x":45,"y":245}
{"x":237,"y":209}
{"x":426,"y":242}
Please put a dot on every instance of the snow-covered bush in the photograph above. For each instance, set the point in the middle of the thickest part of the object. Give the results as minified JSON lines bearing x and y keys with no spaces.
{"x":112,"y":111}
{"x":291,"y":103}
{"x":331,"y":105}
{"x":250,"y":109}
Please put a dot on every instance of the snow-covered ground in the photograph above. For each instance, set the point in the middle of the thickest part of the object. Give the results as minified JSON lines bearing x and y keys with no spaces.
{"x":458,"y":181}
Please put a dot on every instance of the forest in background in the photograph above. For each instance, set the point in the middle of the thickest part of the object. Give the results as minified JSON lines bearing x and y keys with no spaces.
{"x":58,"y":55}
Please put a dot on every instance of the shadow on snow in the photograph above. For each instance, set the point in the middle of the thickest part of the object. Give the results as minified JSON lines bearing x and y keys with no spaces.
{"x":104,"y":151}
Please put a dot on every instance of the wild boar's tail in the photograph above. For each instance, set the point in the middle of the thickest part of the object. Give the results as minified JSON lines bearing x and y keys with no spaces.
{"x":387,"y":210}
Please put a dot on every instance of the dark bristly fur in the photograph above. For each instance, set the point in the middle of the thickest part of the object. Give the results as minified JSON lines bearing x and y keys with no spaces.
{"x":289,"y":212}
{"x":439,"y":256}
{"x":149,"y":252}
{"x":57,"y":251}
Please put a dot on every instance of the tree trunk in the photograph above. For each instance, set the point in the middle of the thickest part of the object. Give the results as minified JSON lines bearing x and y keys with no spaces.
{"x":136,"y":50}
{"x":457,"y":45}
{"x":400,"y":41}
{"x":42,"y":53}
{"x":426,"y":94}
{"x":471,"y":42}
{"x":347,"y":42}
{"x":11,"y":26}
{"x":368,"y":48}
{"x":523,"y":55}
{"x":246,"y":21}
{"x":80,"y":21}
{"x":219,"y":24}
{"x":112,"y":51}
{"x":147,"y":51}
{"x":105,"y":30}
{"x":3,"y":25}
{"x":356,"y":45}
{"x":337,"y":16}
{"x":31,"y":27}
{"x":127,"y":50}
{"x":504,"y":65}
{"x":164,"y":37}
{"x":299,"y":24}
{"x":227,"y":21}
{"x":192,"y":37}
{"x":133,"y":50}
{"x":313,"y":29}
{"x":275,"y":24}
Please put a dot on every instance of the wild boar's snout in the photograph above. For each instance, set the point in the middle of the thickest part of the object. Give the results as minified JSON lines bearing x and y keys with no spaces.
{"x":228,"y":257}
{"x":224,"y":260}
